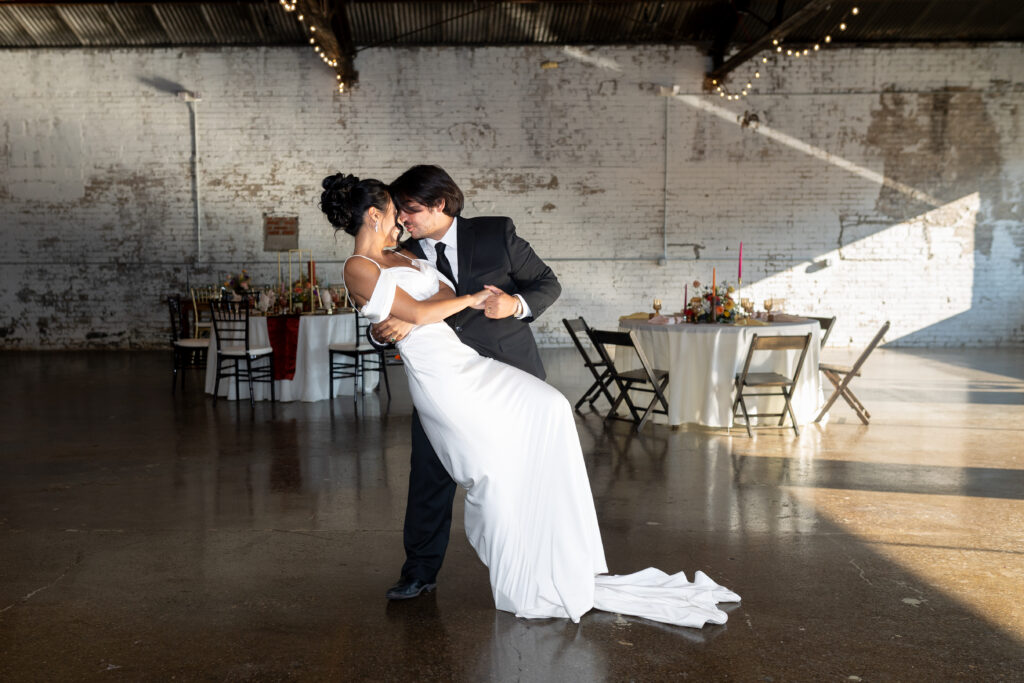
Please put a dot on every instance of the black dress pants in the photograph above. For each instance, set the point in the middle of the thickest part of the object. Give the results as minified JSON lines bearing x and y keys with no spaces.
{"x":428,"y":511}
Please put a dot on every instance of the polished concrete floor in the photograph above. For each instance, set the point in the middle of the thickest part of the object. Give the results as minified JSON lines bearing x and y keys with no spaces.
{"x":145,"y":536}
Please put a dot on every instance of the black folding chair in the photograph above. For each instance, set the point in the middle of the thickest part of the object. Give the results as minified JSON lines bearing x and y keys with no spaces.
{"x":841,"y":376}
{"x":774,"y":383}
{"x":189,"y":352}
{"x":236,"y":357}
{"x":644,"y":379}
{"x":355,"y":359}
{"x":599,"y":369}
{"x":826,"y":327}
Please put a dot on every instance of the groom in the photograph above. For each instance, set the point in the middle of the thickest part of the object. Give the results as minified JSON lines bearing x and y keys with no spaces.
{"x":471,"y":252}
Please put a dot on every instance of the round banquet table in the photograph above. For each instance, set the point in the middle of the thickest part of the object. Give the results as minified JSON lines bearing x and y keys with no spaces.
{"x":312,"y":373}
{"x":704,"y":359}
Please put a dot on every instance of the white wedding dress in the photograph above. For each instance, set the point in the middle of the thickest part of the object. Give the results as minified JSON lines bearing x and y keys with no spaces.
{"x":510,"y":440}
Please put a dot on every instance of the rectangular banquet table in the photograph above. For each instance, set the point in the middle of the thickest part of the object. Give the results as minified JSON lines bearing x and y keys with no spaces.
{"x":312,"y":374}
{"x":703,"y":360}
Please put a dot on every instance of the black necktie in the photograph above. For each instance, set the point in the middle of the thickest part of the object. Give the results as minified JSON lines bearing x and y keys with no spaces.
{"x":442,"y":263}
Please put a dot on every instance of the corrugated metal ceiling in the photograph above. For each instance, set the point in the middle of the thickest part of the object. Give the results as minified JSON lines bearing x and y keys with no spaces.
{"x":521,"y":22}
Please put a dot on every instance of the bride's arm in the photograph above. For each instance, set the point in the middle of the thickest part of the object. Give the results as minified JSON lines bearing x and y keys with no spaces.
{"x":361,"y":277}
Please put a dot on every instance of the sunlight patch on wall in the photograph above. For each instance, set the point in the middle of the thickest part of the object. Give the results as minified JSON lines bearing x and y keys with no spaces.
{"x":913,"y":274}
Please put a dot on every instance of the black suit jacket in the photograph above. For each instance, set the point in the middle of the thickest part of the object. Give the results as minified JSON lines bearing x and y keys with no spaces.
{"x":490,"y":253}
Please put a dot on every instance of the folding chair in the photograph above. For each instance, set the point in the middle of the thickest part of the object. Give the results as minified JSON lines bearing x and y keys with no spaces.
{"x":188,"y":352}
{"x":841,"y":376}
{"x":236,"y":357}
{"x":783,"y":386}
{"x":631,"y":380}
{"x":355,"y":359}
{"x":599,"y":369}
{"x":826,"y":327}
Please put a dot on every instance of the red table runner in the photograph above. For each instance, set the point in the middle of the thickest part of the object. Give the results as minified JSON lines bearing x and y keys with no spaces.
{"x":284,"y":339}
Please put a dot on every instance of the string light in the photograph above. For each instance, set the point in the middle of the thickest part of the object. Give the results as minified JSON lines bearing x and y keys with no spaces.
{"x":722,"y":89}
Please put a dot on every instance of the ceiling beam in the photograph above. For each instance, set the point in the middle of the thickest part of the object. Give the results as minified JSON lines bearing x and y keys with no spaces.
{"x":342,"y":30}
{"x":800,"y":17}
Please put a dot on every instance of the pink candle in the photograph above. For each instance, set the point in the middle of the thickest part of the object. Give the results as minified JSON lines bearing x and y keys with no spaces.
{"x":739,"y":275}
{"x":714,"y":296}
{"x":686,"y":296}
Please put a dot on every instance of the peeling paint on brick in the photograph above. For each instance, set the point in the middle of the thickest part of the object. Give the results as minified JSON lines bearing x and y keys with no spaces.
{"x":575,"y":155}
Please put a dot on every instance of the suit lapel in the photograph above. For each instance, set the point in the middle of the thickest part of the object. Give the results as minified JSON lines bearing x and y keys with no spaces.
{"x":465,"y":254}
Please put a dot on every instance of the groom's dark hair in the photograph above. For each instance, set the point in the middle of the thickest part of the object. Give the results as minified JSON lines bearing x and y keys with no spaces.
{"x":427,"y":185}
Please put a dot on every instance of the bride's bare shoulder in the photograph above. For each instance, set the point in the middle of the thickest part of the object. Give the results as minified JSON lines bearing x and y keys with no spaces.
{"x":361,"y":268}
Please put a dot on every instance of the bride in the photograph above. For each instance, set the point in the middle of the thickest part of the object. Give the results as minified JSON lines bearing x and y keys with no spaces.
{"x":505,"y":436}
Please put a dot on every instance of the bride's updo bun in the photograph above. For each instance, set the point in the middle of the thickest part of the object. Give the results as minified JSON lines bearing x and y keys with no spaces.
{"x":346,"y":198}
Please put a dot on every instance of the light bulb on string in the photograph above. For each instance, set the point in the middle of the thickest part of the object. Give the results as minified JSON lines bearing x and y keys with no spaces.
{"x":757,"y":74}
{"x":764,"y":60}
{"x":775,"y":41}
{"x":312,"y":41}
{"x":312,"y":29}
{"x":842,"y":27}
{"x":828,"y":39}
{"x":817,"y":47}
{"x":855,"y":10}
{"x":301,"y":18}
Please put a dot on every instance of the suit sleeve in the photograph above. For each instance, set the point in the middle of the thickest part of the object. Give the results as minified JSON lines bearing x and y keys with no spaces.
{"x":534,"y":280}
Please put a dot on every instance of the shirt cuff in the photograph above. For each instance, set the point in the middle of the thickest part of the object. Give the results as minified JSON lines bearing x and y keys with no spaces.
{"x":525,"y":313}
{"x":373,"y":340}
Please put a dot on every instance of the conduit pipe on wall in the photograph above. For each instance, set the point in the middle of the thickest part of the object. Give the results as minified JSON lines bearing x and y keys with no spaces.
{"x":664,"y":196}
{"x":191,"y":99}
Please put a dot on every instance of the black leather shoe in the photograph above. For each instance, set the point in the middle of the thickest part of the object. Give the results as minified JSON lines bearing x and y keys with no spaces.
{"x":409,"y":588}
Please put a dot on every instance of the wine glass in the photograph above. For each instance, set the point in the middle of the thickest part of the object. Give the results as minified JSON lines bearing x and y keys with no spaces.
{"x":748,"y":306}
{"x":768,"y":305}
{"x":657,"y":307}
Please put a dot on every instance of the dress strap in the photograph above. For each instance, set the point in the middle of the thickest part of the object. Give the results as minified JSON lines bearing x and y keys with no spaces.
{"x":365,"y":257}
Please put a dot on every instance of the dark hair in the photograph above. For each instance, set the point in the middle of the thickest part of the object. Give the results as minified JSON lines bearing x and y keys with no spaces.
{"x":346,"y":198}
{"x":428,"y":185}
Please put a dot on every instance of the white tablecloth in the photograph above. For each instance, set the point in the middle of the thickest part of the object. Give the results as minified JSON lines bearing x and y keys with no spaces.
{"x":703,"y":360}
{"x":312,"y":373}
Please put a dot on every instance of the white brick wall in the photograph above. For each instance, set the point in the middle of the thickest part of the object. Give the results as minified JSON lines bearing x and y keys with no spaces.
{"x":96,"y":201}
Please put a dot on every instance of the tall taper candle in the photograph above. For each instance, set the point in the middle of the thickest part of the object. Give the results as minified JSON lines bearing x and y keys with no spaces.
{"x":714,"y":296}
{"x":739,"y":273}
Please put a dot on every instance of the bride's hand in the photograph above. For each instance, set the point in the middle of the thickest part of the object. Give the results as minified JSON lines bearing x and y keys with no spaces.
{"x":477,"y":300}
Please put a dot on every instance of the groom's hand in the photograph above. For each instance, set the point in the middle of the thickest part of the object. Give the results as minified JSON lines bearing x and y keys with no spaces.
{"x":390,"y":330}
{"x":500,"y":304}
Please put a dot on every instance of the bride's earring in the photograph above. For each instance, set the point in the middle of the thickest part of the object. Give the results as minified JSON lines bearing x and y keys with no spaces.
{"x":376,"y":226}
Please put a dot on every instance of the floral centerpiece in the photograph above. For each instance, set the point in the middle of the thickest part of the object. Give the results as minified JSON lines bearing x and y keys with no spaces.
{"x":305,"y":292}
{"x":713,"y":305}
{"x":238,"y":284}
